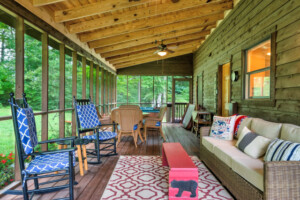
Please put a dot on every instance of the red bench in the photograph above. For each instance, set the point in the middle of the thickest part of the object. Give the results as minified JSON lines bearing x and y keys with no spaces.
{"x":183,"y":174}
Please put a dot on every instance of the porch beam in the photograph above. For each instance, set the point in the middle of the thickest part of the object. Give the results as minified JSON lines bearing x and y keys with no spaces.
{"x":132,"y":45}
{"x":61,"y":90}
{"x":45,"y":78}
{"x":149,"y":52}
{"x":74,"y":89}
{"x":95,"y":9}
{"x":195,"y":12}
{"x":127,"y":15}
{"x":19,"y":79}
{"x":45,"y":2}
{"x":183,"y":25}
{"x":83,"y":77}
{"x":154,"y":58}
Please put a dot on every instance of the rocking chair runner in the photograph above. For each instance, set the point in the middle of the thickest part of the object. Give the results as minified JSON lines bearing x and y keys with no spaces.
{"x":43,"y":163}
{"x":87,"y":120}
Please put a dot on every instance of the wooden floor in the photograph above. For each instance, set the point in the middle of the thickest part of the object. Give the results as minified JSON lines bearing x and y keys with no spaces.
{"x":92,"y":184}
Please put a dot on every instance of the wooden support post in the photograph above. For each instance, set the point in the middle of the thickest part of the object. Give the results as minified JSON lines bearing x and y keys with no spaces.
{"x":83,"y":77}
{"x":91,"y":81}
{"x":140,"y":90}
{"x":102,"y":91}
{"x":74,"y":89}
{"x":97,"y":85}
{"x":62,"y":90}
{"x":45,"y":77}
{"x":153,"y":100}
{"x":19,"y":76}
{"x":107,"y":91}
{"x":173,"y":100}
{"x":127,"y":89}
{"x":110,"y":91}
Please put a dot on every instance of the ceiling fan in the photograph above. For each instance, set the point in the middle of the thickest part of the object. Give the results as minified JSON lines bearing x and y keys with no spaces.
{"x":163,"y":49}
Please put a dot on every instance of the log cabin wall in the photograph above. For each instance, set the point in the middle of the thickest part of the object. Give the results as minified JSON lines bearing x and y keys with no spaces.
{"x":177,"y":66}
{"x":250,"y":22}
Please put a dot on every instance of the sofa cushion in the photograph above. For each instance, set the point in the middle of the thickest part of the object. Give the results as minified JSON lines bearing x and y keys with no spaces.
{"x":226,"y":153}
{"x":245,"y":123}
{"x":210,"y":143}
{"x":222,"y":127}
{"x":252,"y":144}
{"x":290,"y":132}
{"x":267,"y":129}
{"x":250,"y":169}
{"x":281,"y":150}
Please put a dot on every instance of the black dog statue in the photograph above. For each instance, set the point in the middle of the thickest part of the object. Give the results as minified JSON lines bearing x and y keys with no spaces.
{"x":190,"y":186}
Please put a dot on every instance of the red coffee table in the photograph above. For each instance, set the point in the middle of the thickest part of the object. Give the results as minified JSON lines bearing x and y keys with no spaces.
{"x":183,"y":174}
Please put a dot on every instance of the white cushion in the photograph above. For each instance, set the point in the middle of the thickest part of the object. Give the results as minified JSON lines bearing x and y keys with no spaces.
{"x":290,"y":132}
{"x":210,"y":143}
{"x":226,"y":153}
{"x":245,"y":123}
{"x":250,"y":169}
{"x":267,"y":129}
{"x":223,"y":127}
{"x":252,"y":144}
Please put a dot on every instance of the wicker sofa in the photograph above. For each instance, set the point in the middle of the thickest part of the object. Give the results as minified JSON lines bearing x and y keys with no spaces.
{"x":249,"y":178}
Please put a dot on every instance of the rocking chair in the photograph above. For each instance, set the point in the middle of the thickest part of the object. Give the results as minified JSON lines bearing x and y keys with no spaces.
{"x":43,"y":163}
{"x":87,"y":120}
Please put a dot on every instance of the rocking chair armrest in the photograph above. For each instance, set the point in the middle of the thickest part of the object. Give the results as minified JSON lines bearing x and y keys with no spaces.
{"x":57,"y":140}
{"x":53,"y":152}
{"x":108,"y":124}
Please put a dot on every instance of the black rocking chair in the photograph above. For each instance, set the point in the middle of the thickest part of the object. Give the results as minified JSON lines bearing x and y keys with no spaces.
{"x":42,"y":164}
{"x":87,"y":120}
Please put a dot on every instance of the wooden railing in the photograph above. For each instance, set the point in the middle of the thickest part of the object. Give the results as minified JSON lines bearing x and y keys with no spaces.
{"x":179,"y":111}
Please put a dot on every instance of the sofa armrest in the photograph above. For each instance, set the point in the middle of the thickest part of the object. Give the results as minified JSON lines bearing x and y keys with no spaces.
{"x":282,"y":180}
{"x":204,"y":131}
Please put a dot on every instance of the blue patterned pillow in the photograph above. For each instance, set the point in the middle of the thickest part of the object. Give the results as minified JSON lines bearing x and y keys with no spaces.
{"x":281,"y":150}
{"x":222,"y":127}
{"x":27,"y":129}
{"x":87,"y":115}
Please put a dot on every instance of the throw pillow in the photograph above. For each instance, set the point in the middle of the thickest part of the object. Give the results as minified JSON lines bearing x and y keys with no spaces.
{"x":222,"y":127}
{"x":281,"y":150}
{"x":252,"y":144}
{"x":239,"y":119}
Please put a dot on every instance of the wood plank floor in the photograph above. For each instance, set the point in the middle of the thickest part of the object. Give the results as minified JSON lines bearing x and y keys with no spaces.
{"x":93,"y":183}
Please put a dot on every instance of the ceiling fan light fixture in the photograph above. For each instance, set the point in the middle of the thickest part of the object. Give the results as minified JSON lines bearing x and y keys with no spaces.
{"x":162,"y":53}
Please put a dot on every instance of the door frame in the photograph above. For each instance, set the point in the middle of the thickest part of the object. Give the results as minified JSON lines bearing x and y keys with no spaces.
{"x":220,"y":85}
{"x":173,"y":93}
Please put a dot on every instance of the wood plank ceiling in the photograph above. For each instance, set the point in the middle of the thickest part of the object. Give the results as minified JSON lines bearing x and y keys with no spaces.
{"x":124,"y":32}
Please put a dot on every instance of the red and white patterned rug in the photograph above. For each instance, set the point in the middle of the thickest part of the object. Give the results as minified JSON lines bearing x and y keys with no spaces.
{"x":144,"y":178}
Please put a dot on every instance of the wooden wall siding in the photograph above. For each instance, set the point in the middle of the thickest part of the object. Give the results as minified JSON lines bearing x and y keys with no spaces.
{"x":181,"y":65}
{"x":250,"y":22}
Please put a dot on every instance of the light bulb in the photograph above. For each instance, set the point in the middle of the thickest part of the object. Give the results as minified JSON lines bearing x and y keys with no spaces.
{"x":162,"y":53}
{"x":268,"y":53}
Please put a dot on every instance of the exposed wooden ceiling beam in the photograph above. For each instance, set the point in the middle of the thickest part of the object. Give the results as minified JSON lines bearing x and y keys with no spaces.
{"x":95,"y":9}
{"x":146,"y":46}
{"x":147,"y":52}
{"x":188,"y":24}
{"x":150,"y":53}
{"x":128,"y":15}
{"x":154,"y":58}
{"x":159,"y":20}
{"x":45,"y":2}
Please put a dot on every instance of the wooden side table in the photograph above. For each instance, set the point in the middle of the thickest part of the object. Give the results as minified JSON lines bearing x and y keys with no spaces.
{"x":202,"y":118}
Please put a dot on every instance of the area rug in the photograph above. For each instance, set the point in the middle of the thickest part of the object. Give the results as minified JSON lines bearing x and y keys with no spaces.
{"x":144,"y":178}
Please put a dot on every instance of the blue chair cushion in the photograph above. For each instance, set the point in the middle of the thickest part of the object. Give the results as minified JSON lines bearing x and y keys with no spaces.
{"x":87,"y":115}
{"x":105,"y":135}
{"x":157,"y":124}
{"x":27,"y":129}
{"x":49,"y":163}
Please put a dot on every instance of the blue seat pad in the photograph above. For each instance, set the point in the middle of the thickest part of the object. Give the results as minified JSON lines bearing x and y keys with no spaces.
{"x":103,"y":135}
{"x":49,"y":163}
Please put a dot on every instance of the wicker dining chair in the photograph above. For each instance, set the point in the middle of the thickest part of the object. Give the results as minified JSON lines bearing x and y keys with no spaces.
{"x":155,"y":122}
{"x":43,"y":163}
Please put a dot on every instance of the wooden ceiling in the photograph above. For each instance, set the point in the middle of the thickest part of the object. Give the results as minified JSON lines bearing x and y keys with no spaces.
{"x":124,"y":31}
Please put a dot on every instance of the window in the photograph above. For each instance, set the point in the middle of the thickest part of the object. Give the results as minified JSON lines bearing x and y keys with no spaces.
{"x":257,"y":68}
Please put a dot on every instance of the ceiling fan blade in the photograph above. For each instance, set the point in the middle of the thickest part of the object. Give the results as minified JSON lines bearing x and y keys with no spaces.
{"x":170,"y":51}
{"x":173,"y":47}
{"x":157,"y":51}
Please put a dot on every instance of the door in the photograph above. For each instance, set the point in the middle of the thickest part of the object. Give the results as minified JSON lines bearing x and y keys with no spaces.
{"x":181,"y":96}
{"x":225,"y":89}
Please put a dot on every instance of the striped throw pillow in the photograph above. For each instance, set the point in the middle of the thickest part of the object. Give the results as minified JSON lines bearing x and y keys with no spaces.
{"x":252,"y":144}
{"x":281,"y":150}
